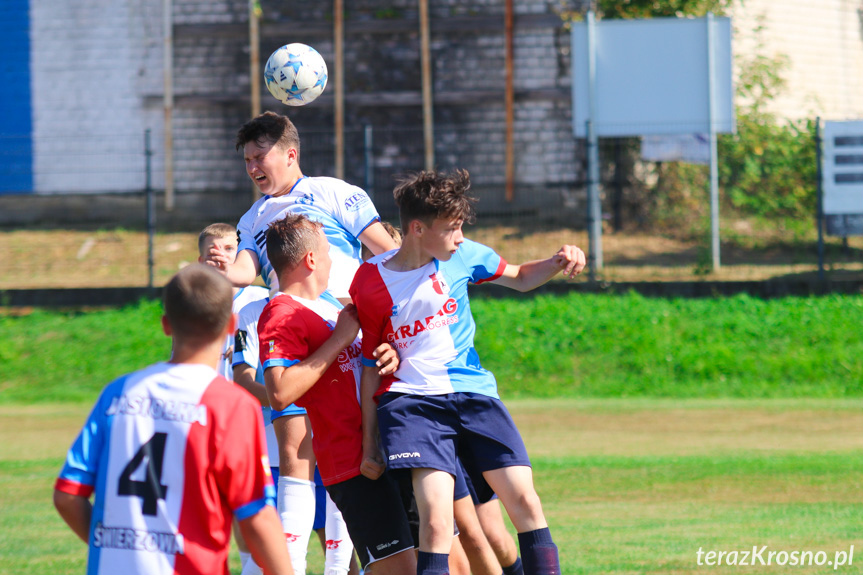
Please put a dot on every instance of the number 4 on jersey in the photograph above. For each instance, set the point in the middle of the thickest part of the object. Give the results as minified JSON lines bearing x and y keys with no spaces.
{"x":151,"y":489}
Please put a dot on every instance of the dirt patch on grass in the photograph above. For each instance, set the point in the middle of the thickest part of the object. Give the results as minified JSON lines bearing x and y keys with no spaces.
{"x":119,"y":258}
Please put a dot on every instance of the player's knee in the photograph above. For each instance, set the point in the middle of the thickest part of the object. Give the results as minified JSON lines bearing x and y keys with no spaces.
{"x":526,"y":504}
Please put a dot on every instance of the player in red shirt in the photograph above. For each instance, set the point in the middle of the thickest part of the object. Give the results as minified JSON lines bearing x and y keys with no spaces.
{"x":185,"y":430}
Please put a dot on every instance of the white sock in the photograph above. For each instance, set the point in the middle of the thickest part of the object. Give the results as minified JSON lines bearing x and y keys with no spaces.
{"x":251,"y":568}
{"x":245,"y":557}
{"x":297,"y":512}
{"x":340,"y":550}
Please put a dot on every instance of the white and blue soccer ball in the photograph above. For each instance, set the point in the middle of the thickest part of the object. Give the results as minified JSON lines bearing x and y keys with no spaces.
{"x":296,"y":74}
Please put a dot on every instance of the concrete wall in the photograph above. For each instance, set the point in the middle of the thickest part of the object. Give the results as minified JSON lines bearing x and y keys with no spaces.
{"x":92,"y":62}
{"x":823,"y":42}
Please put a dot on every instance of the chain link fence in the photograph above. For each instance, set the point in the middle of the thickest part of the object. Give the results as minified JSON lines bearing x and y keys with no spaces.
{"x":85,"y":222}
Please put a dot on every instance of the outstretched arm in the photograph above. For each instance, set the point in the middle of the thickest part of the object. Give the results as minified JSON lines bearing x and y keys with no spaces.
{"x":75,"y":511}
{"x":285,"y":385}
{"x":241,"y":271}
{"x":531,"y":275}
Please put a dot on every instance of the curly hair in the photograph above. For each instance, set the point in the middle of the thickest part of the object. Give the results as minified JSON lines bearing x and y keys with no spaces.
{"x":430,"y":195}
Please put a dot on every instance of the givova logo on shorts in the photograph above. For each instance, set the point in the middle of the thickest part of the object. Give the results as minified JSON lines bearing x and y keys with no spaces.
{"x":405,"y":455}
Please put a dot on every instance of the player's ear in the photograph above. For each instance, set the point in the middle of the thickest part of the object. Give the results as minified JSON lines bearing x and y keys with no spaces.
{"x":310,"y":260}
{"x":416,"y":227}
{"x":200,"y":259}
{"x":166,"y":326}
{"x":293,"y":154}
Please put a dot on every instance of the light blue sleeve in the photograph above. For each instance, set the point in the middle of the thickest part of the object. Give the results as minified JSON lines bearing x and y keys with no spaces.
{"x":482,"y":262}
{"x":354,"y":209}
{"x":85,"y":455}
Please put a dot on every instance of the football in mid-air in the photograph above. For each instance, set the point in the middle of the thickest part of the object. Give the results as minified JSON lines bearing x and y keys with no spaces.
{"x":296,"y":74}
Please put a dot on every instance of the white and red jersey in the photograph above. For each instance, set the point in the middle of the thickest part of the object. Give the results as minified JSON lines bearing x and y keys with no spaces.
{"x":425,"y":315}
{"x":172,"y":452}
{"x":243,"y":297}
{"x":289,"y":331}
{"x":344,"y":210}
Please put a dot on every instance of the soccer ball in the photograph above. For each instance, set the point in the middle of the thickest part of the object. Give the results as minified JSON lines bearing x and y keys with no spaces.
{"x":296,"y":74}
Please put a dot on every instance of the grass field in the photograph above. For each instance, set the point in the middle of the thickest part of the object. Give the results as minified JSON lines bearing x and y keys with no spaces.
{"x":656,"y":427}
{"x":629,"y":486}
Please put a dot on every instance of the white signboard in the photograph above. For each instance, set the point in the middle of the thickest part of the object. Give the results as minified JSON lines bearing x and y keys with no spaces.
{"x":842,"y":168}
{"x":652,"y":77}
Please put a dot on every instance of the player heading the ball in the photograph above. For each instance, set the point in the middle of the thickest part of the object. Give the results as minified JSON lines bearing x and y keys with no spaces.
{"x":271,"y":150}
{"x":441,"y":403}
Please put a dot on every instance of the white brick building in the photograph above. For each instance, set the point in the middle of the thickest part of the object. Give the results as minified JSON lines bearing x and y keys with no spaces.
{"x":823,"y":41}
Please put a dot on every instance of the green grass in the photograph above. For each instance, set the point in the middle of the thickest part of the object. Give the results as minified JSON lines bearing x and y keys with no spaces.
{"x":50,"y":356}
{"x":628,"y":346}
{"x":574,"y":345}
{"x":614,"y":506}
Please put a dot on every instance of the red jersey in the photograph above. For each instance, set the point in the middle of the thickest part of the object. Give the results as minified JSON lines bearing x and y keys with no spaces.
{"x":289,"y":331}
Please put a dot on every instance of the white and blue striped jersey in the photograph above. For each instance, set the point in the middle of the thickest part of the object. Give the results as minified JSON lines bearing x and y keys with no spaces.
{"x":344,"y":210}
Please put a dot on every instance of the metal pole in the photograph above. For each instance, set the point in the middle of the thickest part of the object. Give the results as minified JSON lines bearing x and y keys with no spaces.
{"x":369,"y":160}
{"x":714,"y":159}
{"x":820,"y":191}
{"x":425,"y":52}
{"x":509,"y":103}
{"x":151,"y":206}
{"x":594,"y":207}
{"x":255,"y":68}
{"x":168,"y":102}
{"x":338,"y":33}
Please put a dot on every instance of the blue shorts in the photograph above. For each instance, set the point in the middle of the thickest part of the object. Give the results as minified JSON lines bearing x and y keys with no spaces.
{"x":432,"y":431}
{"x":289,"y":410}
{"x":320,"y":502}
{"x":460,"y":489}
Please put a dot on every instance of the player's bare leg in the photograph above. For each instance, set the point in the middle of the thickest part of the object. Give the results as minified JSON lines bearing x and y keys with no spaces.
{"x":296,"y":485}
{"x":514,"y":487}
{"x":433,"y":490}
{"x":472,"y":539}
{"x":458,"y":561}
{"x":502,"y":543}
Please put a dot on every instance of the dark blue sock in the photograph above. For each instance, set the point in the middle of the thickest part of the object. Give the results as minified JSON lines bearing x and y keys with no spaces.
{"x":514,"y":569}
{"x":432,"y":563}
{"x":539,"y":553}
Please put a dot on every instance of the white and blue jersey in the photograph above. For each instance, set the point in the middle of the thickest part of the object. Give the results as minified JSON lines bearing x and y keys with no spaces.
{"x":243,"y":297}
{"x":246,"y":352}
{"x":425,"y":315}
{"x":344,"y":210}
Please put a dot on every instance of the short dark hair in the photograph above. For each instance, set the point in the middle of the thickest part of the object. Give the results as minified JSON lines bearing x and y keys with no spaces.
{"x":218,"y":230}
{"x":197,"y":303}
{"x":289,"y":240}
{"x":427,"y":196}
{"x":269,"y":128}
